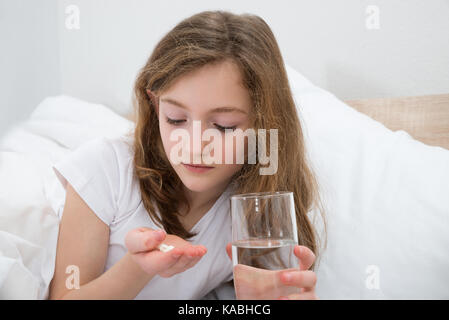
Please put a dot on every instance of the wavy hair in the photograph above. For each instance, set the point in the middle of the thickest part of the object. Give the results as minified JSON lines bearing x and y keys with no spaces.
{"x":211,"y":37}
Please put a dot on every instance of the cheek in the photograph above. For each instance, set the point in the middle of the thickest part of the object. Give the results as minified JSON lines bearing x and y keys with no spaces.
{"x":234,"y":147}
{"x":230,"y":149}
{"x":165,"y":131}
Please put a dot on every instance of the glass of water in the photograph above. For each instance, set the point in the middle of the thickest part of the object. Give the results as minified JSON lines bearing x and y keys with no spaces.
{"x":264,"y":234}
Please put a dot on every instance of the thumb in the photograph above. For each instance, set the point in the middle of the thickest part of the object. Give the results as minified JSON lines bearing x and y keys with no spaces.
{"x":143,"y":239}
{"x":305,"y":255}
{"x":229,"y":250}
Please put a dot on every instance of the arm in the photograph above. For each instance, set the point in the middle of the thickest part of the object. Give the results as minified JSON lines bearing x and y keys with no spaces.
{"x":83,"y":241}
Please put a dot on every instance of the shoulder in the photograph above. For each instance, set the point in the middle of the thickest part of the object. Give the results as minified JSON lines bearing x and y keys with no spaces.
{"x":123,"y":144}
{"x":129,"y":196}
{"x":101,"y":171}
{"x":120,"y":147}
{"x":116,"y":153}
{"x":110,"y":157}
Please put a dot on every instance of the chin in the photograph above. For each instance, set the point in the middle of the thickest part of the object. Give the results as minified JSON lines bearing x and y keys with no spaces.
{"x":201,"y":182}
{"x":195,"y":182}
{"x":198,"y":184}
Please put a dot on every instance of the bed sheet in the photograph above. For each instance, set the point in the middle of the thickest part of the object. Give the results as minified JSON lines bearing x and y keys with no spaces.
{"x":30,"y":193}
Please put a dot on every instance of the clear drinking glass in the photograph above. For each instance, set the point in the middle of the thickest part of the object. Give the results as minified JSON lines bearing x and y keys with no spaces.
{"x":264,"y":234}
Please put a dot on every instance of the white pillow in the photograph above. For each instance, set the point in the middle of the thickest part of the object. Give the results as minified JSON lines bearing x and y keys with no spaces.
{"x":28,"y":229}
{"x":386,"y":198}
{"x":30,"y":192}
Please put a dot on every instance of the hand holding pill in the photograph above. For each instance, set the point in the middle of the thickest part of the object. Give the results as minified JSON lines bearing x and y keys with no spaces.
{"x":163,"y":254}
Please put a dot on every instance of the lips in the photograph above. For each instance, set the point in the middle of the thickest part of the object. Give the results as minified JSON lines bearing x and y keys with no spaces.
{"x":197,"y":168}
{"x":197,"y":165}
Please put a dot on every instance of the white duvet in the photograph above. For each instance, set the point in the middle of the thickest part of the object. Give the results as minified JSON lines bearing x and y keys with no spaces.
{"x":386,"y":195}
{"x":28,"y":220}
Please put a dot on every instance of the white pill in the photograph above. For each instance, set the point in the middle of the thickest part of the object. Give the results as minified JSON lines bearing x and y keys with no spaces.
{"x":164,"y":248}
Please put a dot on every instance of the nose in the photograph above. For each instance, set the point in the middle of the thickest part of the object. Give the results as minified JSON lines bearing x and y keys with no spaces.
{"x":197,"y":145}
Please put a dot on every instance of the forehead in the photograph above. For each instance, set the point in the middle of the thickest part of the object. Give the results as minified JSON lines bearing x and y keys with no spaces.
{"x":209,"y":87}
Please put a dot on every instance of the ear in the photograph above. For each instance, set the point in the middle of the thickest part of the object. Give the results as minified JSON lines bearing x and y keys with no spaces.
{"x":154,"y":99}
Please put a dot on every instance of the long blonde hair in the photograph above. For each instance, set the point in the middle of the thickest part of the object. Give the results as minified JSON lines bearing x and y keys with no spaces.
{"x":211,"y":37}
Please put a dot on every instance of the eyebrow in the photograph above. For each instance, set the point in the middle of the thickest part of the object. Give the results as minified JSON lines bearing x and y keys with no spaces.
{"x":222,"y":109}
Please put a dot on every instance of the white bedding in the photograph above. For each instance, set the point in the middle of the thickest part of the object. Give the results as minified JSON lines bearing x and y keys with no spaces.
{"x":386,"y":195}
{"x":28,"y":220}
{"x":387,"y":202}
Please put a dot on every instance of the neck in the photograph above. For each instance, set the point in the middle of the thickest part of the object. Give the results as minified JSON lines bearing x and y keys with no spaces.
{"x":200,"y":201}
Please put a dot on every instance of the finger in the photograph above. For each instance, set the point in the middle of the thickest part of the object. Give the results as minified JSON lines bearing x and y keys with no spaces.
{"x":197,"y":251}
{"x":190,"y":257}
{"x":192,"y":263}
{"x":180,"y":265}
{"x":156,"y":261}
{"x":140,"y":240}
{"x":229,"y":250}
{"x":202,"y":251}
{"x":302,"y":279}
{"x":309,"y":295}
{"x":306,"y":257}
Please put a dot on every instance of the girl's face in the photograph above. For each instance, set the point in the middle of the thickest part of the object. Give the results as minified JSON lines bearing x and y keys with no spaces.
{"x":215,"y":97}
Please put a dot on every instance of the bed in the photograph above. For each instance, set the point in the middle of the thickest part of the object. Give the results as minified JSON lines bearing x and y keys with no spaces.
{"x":382,"y":187}
{"x":425,"y":118}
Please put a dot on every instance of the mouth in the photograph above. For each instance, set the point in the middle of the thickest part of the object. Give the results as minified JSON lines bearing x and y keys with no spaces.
{"x":197,"y":168}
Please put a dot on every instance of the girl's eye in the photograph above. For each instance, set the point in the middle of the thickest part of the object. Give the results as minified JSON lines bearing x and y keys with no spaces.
{"x":174,"y":121}
{"x":177,"y":122}
{"x":221,"y":128}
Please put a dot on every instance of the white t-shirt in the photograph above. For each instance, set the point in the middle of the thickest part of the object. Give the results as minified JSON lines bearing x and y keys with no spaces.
{"x":101,"y":171}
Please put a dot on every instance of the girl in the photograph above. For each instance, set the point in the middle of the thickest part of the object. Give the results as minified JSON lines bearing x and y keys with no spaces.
{"x":126,"y":196}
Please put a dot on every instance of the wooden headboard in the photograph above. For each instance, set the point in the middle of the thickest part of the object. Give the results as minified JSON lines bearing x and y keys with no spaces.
{"x":425,"y":118}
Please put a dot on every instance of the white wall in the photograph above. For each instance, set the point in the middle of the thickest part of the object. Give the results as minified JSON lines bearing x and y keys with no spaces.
{"x":326,"y":40}
{"x":29,"y":57}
